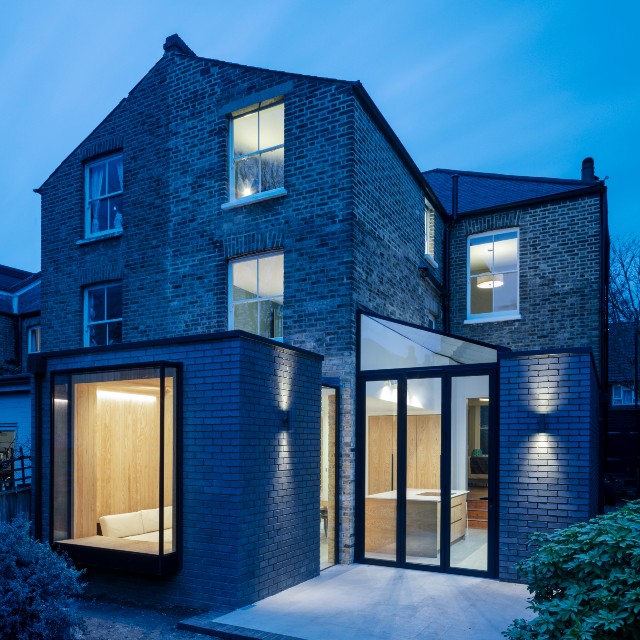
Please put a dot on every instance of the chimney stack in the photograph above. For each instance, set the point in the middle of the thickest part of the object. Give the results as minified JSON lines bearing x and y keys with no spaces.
{"x":588,"y":170}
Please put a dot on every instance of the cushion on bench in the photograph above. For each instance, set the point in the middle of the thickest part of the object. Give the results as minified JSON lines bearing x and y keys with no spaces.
{"x":136,"y":523}
{"x":151,"y":519}
{"x":121,"y":525}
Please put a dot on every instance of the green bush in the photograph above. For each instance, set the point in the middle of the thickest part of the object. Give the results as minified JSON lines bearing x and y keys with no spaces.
{"x":37,"y":588}
{"x":585,"y":580}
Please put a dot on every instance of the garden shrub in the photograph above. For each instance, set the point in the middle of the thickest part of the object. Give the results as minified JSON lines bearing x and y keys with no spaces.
{"x":37,"y":588}
{"x":585,"y":580}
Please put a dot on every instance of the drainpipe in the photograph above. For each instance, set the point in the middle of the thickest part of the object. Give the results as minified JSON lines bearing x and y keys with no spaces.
{"x":446,"y":298}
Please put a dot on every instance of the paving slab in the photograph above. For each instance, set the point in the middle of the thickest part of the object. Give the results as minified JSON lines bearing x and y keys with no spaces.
{"x":352,"y":602}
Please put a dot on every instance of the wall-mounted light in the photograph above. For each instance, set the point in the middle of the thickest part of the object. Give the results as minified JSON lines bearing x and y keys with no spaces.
{"x":286,"y":419}
{"x":542,"y":423}
{"x":490,"y":282}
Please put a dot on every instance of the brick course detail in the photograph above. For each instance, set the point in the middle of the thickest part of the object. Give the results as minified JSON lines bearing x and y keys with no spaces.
{"x":548,"y":448}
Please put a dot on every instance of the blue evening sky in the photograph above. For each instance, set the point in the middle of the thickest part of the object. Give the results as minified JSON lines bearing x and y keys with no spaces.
{"x":520,"y":87}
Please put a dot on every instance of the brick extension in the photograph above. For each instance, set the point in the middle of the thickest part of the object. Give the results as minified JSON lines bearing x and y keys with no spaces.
{"x":250,"y":490}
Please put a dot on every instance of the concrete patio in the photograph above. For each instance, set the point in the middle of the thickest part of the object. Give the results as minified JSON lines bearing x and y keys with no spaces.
{"x":352,"y":602}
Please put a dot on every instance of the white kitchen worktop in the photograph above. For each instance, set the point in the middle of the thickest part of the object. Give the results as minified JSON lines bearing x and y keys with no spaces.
{"x":432,"y":495}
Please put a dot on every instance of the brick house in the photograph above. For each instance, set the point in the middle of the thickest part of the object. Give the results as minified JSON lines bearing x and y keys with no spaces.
{"x":324,"y":354}
{"x":19,"y":337}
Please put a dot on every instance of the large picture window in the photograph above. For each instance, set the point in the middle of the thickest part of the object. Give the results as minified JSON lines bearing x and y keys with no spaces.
{"x":256,"y":294}
{"x":114,"y":461}
{"x":257,"y":151}
{"x":104,"y":196}
{"x":493,"y":276}
{"x":103,"y":315}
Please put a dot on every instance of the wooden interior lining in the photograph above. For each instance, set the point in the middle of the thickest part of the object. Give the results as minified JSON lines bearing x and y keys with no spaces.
{"x":117,"y":450}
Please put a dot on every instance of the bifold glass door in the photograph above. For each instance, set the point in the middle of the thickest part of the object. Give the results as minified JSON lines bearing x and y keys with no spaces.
{"x":426,"y":476}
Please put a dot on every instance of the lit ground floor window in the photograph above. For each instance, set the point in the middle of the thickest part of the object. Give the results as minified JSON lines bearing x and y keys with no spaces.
{"x":114,"y":460}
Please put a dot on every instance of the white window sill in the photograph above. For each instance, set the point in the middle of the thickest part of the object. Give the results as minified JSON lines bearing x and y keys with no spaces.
{"x":256,"y":197}
{"x":429,"y":260}
{"x":116,"y":233}
{"x":492,"y":318}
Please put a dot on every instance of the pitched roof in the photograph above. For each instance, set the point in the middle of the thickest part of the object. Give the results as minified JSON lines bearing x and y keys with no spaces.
{"x":477,"y":191}
{"x":12,"y":279}
{"x":13,"y":296}
{"x":174,"y":44}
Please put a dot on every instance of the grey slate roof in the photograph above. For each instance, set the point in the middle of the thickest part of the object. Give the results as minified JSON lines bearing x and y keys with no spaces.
{"x":11,"y":279}
{"x":478,"y":191}
{"x":29,"y":301}
{"x":14,"y":280}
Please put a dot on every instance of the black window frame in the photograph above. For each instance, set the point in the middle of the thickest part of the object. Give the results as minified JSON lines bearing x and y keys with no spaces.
{"x":133,"y":562}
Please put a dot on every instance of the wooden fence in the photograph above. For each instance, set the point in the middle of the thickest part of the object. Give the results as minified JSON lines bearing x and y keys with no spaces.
{"x":15,"y":487}
{"x":15,"y":502}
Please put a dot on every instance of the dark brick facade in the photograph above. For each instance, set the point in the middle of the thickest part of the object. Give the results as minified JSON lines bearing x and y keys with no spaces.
{"x":560,"y":244}
{"x":548,"y":448}
{"x":351,"y":224}
{"x":250,"y":482}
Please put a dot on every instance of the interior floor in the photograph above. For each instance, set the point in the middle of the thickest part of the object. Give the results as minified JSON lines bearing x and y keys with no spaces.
{"x":467,"y":553}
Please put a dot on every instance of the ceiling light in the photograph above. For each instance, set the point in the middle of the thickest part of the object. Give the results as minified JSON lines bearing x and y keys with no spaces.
{"x":490,"y":282}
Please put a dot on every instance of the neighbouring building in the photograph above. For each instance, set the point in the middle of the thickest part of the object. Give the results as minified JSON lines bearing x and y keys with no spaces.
{"x":271,"y":343}
{"x":19,"y":337}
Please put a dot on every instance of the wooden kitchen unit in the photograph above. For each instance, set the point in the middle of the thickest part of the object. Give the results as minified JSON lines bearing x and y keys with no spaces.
{"x":423,"y":521}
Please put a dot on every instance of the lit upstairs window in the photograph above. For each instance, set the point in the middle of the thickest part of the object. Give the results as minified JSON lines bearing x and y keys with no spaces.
{"x":103,"y":186}
{"x":257,"y":151}
{"x":492,"y":281}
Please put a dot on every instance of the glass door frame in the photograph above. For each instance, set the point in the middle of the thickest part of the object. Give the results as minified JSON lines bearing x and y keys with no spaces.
{"x":445,"y":374}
